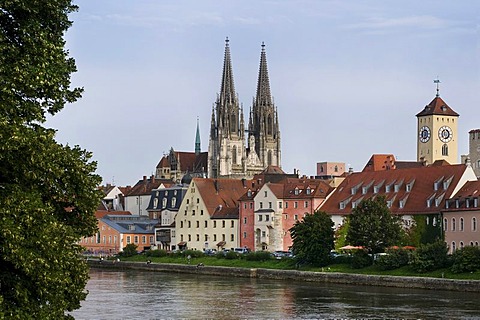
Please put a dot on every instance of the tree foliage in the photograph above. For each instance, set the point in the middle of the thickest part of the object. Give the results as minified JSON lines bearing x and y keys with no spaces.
{"x":48,"y":192}
{"x":372,"y":226}
{"x":313,"y":238}
{"x":430,"y":256}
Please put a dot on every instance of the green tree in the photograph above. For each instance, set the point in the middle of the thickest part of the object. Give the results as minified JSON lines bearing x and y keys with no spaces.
{"x":129,"y":250}
{"x":48,"y":192}
{"x":372,"y":226}
{"x":313,"y":238}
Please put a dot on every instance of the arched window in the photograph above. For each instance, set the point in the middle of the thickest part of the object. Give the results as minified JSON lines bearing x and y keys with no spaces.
{"x":461,"y":224}
{"x":445,"y":224}
{"x":234,"y":155}
{"x":454,"y":224}
{"x":445,"y":150}
{"x":269,"y":125}
{"x":454,"y":247}
{"x":461,"y":244}
{"x":233,"y":124}
{"x":474,"y":224}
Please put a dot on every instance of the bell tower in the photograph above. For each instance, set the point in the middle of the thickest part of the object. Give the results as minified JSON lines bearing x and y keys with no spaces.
{"x":437,"y":127}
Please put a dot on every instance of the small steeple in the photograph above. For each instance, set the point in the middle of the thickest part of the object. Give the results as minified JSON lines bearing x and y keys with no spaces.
{"x":264,"y":97}
{"x":198,"y":148}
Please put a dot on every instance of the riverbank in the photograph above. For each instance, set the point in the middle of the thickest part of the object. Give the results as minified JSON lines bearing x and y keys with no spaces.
{"x":325,"y":277}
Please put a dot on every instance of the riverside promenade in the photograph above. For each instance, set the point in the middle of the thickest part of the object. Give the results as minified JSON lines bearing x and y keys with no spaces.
{"x":321,"y":277}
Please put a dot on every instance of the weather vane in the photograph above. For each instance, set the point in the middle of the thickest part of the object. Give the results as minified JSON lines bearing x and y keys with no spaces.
{"x":437,"y":81}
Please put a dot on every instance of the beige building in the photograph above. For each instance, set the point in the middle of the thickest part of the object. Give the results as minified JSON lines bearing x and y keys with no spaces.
{"x":208,"y":215}
{"x":437,"y":126}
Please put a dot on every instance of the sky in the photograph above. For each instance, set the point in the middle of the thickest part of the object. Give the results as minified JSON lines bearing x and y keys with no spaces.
{"x":347,"y":77}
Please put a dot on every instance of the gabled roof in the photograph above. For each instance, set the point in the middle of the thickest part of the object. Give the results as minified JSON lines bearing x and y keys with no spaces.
{"x":145,"y":186}
{"x":221,"y":196}
{"x":130,"y":223}
{"x":463,"y":199}
{"x":388,"y":162}
{"x":189,"y":161}
{"x":411,"y":191}
{"x":437,"y":107}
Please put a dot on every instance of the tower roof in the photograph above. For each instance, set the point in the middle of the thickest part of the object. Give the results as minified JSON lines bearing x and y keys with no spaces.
{"x":227,"y":89}
{"x":264,"y":97}
{"x":437,"y":107}
{"x":197,"y":140}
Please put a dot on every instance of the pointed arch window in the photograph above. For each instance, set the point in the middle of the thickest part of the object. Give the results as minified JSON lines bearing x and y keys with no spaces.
{"x":269,"y":125}
{"x":445,"y":150}
{"x":234,"y":154}
{"x":233,"y":124}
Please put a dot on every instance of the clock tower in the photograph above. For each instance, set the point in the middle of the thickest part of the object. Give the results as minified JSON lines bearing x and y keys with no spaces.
{"x":437,"y":132}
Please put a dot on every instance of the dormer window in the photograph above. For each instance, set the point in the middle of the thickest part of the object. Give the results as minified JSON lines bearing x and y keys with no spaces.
{"x":409,"y":186}
{"x":296,"y":191}
{"x":249,"y":193}
{"x":397,"y":186}
{"x":467,"y":203}
{"x":309,"y":191}
{"x":436,"y":184}
{"x":429,"y":200}
{"x":475,"y":202}
{"x":447,"y":182}
{"x":439,"y":199}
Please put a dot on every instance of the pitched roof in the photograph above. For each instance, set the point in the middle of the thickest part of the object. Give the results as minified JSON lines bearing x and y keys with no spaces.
{"x":189,"y":161}
{"x":130,"y":223}
{"x":388,"y":162}
{"x":461,"y":201}
{"x":408,"y":191}
{"x":437,"y":107}
{"x":221,"y":196}
{"x":145,"y":186}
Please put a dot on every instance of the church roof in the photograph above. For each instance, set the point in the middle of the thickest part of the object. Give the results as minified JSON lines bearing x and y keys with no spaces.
{"x":437,"y":107}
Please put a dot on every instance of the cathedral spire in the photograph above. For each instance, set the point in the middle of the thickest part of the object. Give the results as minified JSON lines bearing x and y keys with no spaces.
{"x":264,"y":97}
{"x":198,"y":148}
{"x":227,"y":89}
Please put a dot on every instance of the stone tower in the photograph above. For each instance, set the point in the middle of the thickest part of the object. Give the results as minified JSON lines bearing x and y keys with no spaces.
{"x":474,"y":150}
{"x":226,"y":150}
{"x":263,"y":124}
{"x":437,"y":126}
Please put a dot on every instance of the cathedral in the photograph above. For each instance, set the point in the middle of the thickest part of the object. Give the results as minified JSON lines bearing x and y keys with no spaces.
{"x":235,"y":151}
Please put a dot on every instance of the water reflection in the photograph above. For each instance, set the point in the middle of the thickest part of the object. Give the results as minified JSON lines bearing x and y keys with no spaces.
{"x":155,"y":295}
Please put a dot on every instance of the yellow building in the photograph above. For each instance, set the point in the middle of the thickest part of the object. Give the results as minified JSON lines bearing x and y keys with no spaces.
{"x":437,"y":127}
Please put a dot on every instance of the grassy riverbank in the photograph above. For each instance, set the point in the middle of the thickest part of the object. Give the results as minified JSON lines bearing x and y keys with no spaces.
{"x":290,"y":264}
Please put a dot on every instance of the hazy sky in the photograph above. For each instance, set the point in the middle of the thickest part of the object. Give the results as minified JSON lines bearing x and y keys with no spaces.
{"x":348,"y":77}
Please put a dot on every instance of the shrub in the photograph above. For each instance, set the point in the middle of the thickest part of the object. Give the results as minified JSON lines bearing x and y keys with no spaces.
{"x":129,"y":250}
{"x":394,"y":259}
{"x":466,"y":259}
{"x":156,"y":253}
{"x":193,"y":253}
{"x":258,"y":256}
{"x":361,"y":259}
{"x":430,"y":256}
{"x":231,"y":255}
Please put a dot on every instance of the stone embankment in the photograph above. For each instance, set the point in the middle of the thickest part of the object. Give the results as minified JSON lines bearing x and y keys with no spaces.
{"x":325,"y":277}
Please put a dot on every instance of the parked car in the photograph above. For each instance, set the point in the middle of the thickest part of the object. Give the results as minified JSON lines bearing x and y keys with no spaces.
{"x":282,"y":254}
{"x":241,"y":250}
{"x":210,"y":252}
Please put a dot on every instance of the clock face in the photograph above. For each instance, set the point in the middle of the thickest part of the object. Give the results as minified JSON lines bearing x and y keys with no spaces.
{"x":445,"y":134}
{"x":424,"y":134}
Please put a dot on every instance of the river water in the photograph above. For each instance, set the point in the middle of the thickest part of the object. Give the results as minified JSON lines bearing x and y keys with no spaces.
{"x":157,"y":295}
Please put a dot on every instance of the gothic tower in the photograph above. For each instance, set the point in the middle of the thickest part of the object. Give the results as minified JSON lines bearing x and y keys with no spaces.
{"x":226,"y":150}
{"x":263,"y":127}
{"x":437,"y":126}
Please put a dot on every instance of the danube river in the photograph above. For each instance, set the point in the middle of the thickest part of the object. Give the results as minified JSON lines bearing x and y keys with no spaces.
{"x":158,"y":295}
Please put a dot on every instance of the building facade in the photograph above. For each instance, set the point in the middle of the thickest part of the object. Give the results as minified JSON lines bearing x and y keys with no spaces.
{"x":232,"y":153}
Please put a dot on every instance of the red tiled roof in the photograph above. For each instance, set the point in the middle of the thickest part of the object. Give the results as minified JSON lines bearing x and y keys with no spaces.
{"x":145,"y":186}
{"x":189,"y":161}
{"x":221,"y":196}
{"x":358,"y":186}
{"x":437,"y":107}
{"x":100,"y":213}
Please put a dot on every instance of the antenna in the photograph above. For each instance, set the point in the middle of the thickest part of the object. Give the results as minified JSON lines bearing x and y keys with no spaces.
{"x":437,"y":82}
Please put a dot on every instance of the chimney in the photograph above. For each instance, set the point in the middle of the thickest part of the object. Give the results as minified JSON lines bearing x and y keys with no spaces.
{"x":244,"y":183}
{"x":350,"y":170}
{"x":144,"y":179}
{"x":152,"y":178}
{"x":215,"y":184}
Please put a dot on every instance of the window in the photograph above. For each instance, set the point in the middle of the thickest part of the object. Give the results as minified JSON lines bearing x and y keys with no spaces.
{"x":104,"y":239}
{"x":189,"y":237}
{"x":174,"y":202}
{"x":453,"y":246}
{"x":286,"y":205}
{"x":261,"y":205}
{"x":267,"y":217}
{"x":214,"y":237}
{"x":206,"y":224}
{"x":164,"y":202}
{"x":295,"y":204}
{"x":296,"y":191}
{"x":295,"y":217}
{"x":461,"y":245}
{"x":181,"y":237}
{"x":189,"y":224}
{"x":144,"y":239}
{"x":454,"y":226}
{"x":201,"y":212}
{"x":244,"y":235}
{"x":251,"y":205}
{"x":214,"y":224}
{"x":223,"y":237}
{"x":223,"y":223}
{"x":306,"y":204}
{"x":445,"y":224}
{"x":232,"y":224}
{"x":135,"y":239}
{"x":181,"y":224}
{"x":129,"y":239}
{"x":461,"y":224}
{"x":206,"y":238}
{"x":264,"y":234}
{"x":198,"y":200}
{"x":193,"y":212}
{"x":270,"y":205}
{"x":198,"y":237}
{"x":260,"y":217}
{"x":244,"y":205}
{"x":280,"y":204}
{"x":286,"y":216}
{"x":114,"y":239}
{"x":474,"y":224}
{"x":198,"y":224}
{"x":265,"y":195}
{"x":232,"y":237}
{"x":445,"y":150}
{"x":245,"y":220}
{"x":151,"y":239}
